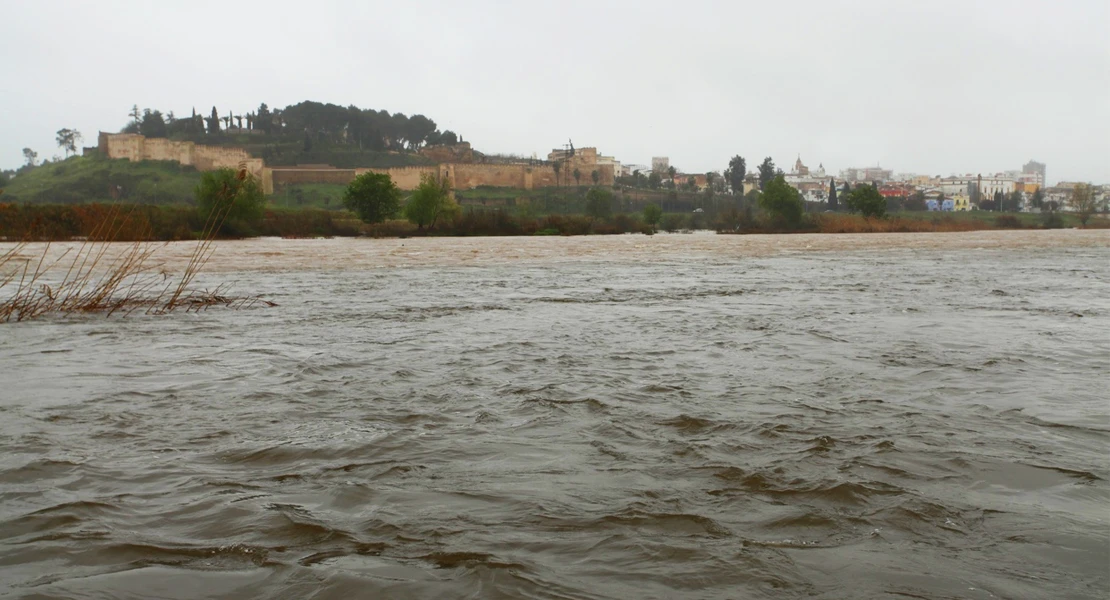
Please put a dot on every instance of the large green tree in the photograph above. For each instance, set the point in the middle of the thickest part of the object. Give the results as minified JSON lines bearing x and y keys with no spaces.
{"x":915,"y":201}
{"x":153,"y":124}
{"x":373,"y":197}
{"x":652,"y":214}
{"x":430,"y":201}
{"x":833,"y":205}
{"x":263,"y":119}
{"x":418,"y":129}
{"x":866,"y":200}
{"x":1082,"y":201}
{"x":68,"y":139}
{"x":231,"y":199}
{"x":737,"y":171}
{"x":1037,"y":200}
{"x":766,"y":172}
{"x":781,"y":201}
{"x":599,"y":203}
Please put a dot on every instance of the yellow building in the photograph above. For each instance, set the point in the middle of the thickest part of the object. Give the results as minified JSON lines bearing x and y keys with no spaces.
{"x":961,"y":203}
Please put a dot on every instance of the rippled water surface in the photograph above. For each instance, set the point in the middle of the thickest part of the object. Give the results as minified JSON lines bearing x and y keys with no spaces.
{"x":908,"y":416}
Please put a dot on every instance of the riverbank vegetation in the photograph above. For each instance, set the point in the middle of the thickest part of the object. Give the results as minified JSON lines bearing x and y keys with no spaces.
{"x":99,"y":276}
{"x":177,"y":223}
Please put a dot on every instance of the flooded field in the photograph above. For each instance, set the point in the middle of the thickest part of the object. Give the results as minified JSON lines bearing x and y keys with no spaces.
{"x":677,"y":416}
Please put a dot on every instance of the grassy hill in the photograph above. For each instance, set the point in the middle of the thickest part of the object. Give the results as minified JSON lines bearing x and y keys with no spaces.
{"x":82,"y":179}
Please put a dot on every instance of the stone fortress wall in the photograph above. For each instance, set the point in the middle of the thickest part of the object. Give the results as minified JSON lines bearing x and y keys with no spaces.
{"x":462,"y":175}
{"x":134,"y":147}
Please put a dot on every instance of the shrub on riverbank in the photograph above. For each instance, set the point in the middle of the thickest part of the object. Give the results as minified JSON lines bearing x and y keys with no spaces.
{"x":108,"y":275}
{"x":65,"y":222}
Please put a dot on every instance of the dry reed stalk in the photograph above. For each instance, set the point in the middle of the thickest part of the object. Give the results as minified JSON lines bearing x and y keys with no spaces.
{"x":94,"y":281}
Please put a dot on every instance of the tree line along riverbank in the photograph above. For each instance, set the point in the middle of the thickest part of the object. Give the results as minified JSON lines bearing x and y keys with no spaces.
{"x":136,"y":222}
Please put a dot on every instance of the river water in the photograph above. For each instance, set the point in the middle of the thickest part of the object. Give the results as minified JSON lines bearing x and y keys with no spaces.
{"x":678,"y":416}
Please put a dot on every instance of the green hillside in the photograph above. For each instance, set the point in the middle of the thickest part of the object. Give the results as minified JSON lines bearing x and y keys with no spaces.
{"x":82,"y":179}
{"x":287,"y":154}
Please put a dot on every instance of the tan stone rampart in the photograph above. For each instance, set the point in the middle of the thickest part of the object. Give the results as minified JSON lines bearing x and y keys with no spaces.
{"x":406,"y":178}
{"x":126,"y":146}
{"x":134,"y":147}
{"x":470,"y":176}
{"x":293,"y":176}
{"x":463,"y":176}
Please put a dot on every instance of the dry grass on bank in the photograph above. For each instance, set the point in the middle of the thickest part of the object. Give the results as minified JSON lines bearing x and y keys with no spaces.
{"x":106,"y":277}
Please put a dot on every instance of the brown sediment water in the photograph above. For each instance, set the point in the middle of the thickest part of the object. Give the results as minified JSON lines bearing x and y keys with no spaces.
{"x":676,"y":416}
{"x":275,"y":254}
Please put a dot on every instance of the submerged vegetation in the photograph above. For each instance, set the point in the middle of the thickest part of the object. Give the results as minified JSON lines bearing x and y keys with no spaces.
{"x":236,"y":199}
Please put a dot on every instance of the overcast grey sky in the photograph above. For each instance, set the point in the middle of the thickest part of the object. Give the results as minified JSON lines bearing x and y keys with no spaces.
{"x":932,"y":87}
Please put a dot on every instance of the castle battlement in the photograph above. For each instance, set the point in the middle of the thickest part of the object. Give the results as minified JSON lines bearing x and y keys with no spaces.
{"x":462,"y":175}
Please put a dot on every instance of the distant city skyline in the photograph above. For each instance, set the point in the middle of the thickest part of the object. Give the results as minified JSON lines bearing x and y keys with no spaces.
{"x":847,"y":85}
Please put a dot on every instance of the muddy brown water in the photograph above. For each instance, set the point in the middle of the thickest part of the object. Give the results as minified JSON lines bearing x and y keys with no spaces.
{"x":684,"y":416}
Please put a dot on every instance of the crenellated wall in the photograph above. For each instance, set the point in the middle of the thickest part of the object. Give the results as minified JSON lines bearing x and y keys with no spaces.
{"x":463,"y":176}
{"x":406,"y":178}
{"x":293,"y":175}
{"x":134,"y":147}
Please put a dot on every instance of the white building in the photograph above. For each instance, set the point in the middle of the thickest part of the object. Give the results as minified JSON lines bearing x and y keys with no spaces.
{"x":866,"y":174}
{"x":988,"y":185}
{"x":811,"y":183}
{"x":609,"y":160}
